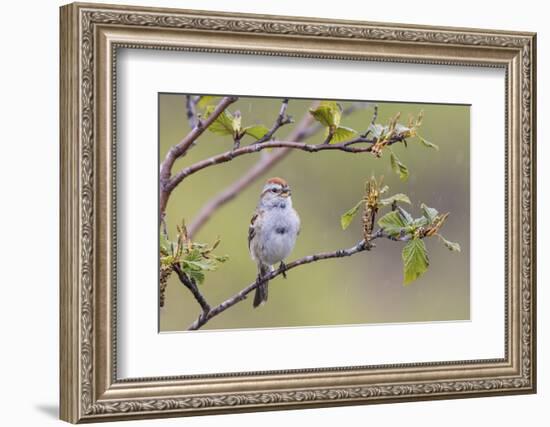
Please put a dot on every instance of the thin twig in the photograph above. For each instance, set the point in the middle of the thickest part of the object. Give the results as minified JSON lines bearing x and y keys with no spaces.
{"x":164,"y":228}
{"x":241,"y":295}
{"x":282,"y":119}
{"x":373,"y":121}
{"x":192,"y":286}
{"x":329,"y":136}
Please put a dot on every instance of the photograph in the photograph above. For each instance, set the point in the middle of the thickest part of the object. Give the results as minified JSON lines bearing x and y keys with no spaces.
{"x":282,"y":212}
{"x":270,"y":210}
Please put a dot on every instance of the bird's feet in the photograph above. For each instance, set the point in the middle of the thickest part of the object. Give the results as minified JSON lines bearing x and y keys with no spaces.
{"x":282,"y":267}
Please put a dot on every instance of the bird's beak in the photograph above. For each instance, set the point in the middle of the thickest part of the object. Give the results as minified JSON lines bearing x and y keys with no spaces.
{"x":286,"y":192}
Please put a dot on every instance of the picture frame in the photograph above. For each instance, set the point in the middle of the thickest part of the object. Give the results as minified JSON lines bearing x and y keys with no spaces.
{"x":91,"y":37}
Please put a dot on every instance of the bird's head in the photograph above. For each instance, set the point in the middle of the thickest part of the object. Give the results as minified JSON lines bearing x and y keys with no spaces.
{"x":275,"y":189}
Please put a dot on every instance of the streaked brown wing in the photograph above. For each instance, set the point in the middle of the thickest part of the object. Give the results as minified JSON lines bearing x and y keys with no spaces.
{"x":252,"y":228}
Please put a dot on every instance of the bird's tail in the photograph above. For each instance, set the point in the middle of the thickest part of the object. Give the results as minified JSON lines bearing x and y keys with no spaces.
{"x":260,"y":296}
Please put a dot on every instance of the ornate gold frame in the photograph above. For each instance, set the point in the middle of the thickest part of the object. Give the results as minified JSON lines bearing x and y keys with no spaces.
{"x":90,"y":35}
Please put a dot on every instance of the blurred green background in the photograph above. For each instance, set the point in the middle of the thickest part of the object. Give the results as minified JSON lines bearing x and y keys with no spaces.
{"x":365,"y":288}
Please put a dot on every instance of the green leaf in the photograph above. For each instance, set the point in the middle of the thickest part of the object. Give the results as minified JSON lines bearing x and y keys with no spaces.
{"x":399,"y":197}
{"x":196,"y":275}
{"x":452,"y":246}
{"x":225,"y":123}
{"x":407,"y":217}
{"x":336,"y":109}
{"x":392,"y":223}
{"x":204,"y":265}
{"x":429,"y":213}
{"x":193,"y":255}
{"x":415,"y":260}
{"x":378,"y":130}
{"x":345,"y":220}
{"x":205,"y":101}
{"x":399,"y":168}
{"x":328,"y":113}
{"x":195,"y":260}
{"x":399,"y":128}
{"x":427,"y":143}
{"x":236,"y":122}
{"x":256,"y":131}
{"x":342,"y":134}
{"x":420,"y":222}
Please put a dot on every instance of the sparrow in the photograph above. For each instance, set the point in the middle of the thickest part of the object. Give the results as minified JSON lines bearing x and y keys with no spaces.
{"x":272,"y":232}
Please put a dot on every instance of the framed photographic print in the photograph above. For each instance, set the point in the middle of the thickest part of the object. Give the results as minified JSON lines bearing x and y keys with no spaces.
{"x":266,"y":212}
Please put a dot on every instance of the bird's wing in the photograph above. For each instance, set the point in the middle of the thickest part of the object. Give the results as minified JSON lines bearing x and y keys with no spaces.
{"x":253,"y":226}
{"x":299,"y":222}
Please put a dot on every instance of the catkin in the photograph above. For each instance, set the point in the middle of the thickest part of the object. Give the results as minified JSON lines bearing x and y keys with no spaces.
{"x":164,"y":275}
{"x":371,"y":208}
{"x":369,"y":214}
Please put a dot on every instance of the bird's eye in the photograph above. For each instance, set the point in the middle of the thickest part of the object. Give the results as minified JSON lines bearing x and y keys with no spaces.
{"x":273,"y":190}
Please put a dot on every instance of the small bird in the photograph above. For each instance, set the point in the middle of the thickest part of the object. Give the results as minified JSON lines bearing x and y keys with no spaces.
{"x":272,"y":232}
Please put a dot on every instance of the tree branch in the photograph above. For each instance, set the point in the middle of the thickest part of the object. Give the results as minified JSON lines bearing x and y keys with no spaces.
{"x":192,"y":286}
{"x":254,"y":148}
{"x":191,"y":105}
{"x":340,"y":253}
{"x":181,"y":148}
